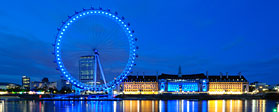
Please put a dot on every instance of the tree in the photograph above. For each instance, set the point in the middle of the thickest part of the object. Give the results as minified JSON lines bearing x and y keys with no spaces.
{"x":45,"y":80}
{"x":65,"y":90}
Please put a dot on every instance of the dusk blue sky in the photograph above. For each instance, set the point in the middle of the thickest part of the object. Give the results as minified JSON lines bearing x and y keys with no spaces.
{"x":200,"y":35}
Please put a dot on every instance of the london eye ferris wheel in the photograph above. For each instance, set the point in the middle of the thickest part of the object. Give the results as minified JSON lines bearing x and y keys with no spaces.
{"x":95,"y":49}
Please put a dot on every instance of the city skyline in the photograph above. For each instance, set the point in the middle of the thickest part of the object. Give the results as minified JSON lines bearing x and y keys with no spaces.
{"x":224,"y":37}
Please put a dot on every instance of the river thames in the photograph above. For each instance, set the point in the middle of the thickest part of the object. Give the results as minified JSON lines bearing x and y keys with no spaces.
{"x":140,"y":106}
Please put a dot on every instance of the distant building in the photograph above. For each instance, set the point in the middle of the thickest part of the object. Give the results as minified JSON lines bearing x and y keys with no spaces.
{"x":276,"y":88}
{"x":86,"y":70}
{"x":140,"y":85}
{"x":63,"y":83}
{"x":4,"y":86}
{"x":183,"y":83}
{"x":25,"y":82}
{"x":259,"y":86}
{"x":44,"y":84}
{"x":220,"y":84}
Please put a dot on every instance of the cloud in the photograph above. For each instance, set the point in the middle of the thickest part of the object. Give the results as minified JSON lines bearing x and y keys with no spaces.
{"x":233,"y":43}
{"x":25,"y":55}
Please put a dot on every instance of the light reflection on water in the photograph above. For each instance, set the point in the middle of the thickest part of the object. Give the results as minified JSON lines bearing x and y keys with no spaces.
{"x":140,"y":106}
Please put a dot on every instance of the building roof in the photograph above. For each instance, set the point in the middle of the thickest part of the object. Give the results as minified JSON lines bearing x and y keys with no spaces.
{"x":140,"y":78}
{"x":225,"y":78}
{"x":7,"y":83}
{"x":186,"y":76}
{"x":87,"y":57}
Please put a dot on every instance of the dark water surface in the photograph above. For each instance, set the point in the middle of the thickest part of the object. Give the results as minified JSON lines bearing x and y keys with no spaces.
{"x":140,"y":106}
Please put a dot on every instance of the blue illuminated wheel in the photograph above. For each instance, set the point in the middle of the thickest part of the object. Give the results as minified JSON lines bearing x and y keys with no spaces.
{"x":129,"y":35}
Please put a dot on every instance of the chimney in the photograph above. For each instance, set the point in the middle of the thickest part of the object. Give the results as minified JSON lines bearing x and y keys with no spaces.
{"x":239,"y":74}
{"x":143,"y":75}
{"x":179,"y":71}
{"x":157,"y":78}
{"x":206,"y":74}
{"x":227,"y":74}
{"x":221,"y":75}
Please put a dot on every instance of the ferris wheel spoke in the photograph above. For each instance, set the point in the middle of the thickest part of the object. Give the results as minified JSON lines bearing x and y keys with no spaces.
{"x":109,"y":38}
{"x":76,"y":50}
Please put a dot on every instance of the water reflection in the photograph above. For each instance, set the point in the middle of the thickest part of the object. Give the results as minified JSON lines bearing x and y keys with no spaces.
{"x":140,"y":106}
{"x":2,"y":103}
{"x":195,"y":106}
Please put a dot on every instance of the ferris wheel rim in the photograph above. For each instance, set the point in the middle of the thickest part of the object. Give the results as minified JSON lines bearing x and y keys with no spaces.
{"x":115,"y":18}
